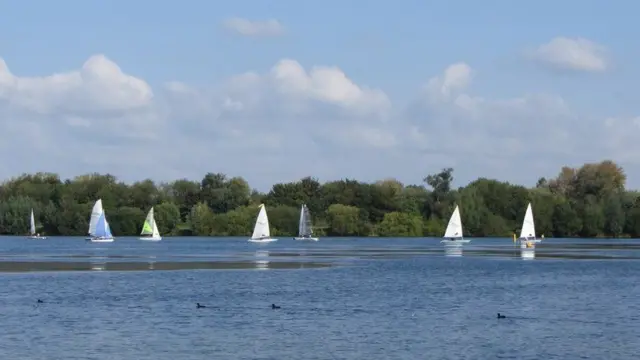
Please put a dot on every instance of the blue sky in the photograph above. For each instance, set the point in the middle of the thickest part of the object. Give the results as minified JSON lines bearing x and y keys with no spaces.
{"x":231,"y":87}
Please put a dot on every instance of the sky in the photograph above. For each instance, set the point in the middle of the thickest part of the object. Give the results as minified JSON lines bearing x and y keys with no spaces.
{"x":274,"y":91}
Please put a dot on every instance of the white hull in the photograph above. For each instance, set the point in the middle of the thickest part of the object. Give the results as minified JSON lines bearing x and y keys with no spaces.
{"x":34,"y":237}
{"x":100,"y":240}
{"x":263,"y":240}
{"x":527,"y":244}
{"x":150,"y":238}
{"x":306,"y":238}
{"x":455,"y":242}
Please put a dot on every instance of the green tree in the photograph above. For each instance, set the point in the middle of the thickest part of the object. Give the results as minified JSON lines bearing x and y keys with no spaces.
{"x":285,"y":219}
{"x":201,"y":220}
{"x":590,"y":211}
{"x":126,"y":220}
{"x":400,"y":224}
{"x":590,"y":200}
{"x":434,"y":227}
{"x":614,"y":215}
{"x":566,"y":222}
{"x":167,"y":216}
{"x":343,"y":220}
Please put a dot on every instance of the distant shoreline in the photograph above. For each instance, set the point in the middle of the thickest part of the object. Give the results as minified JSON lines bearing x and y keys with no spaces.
{"x":585,"y":202}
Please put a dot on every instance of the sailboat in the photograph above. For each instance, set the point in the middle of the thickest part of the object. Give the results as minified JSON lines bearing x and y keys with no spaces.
{"x":103,"y":232}
{"x":93,"y":220}
{"x":150,"y":228}
{"x":32,"y":229}
{"x":99,"y":230}
{"x":528,"y":233}
{"x":304,"y":227}
{"x":261,"y":232}
{"x":453,"y":233}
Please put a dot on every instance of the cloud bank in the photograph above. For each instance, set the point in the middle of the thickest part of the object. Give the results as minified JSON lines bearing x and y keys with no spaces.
{"x":572,"y":54}
{"x":290,"y":122}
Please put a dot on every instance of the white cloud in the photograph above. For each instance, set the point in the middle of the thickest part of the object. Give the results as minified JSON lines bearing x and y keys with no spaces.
{"x":517,"y":139}
{"x":257,"y":125}
{"x":245,"y":27}
{"x":291,"y":122}
{"x":572,"y":54}
{"x":456,"y":77}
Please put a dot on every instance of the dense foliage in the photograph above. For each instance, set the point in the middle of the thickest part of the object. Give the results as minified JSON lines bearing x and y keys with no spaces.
{"x":587,"y":202}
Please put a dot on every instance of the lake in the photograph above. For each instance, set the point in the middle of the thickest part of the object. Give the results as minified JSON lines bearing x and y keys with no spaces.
{"x":359,"y":298}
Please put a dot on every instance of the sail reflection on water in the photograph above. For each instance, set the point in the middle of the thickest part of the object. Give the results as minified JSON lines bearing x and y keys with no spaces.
{"x":455,"y":251}
{"x":528,"y":253}
{"x":98,"y":266}
{"x":261,"y":262}
{"x":151,"y":262}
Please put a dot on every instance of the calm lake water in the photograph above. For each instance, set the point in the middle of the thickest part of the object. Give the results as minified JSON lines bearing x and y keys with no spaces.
{"x":340,"y":299}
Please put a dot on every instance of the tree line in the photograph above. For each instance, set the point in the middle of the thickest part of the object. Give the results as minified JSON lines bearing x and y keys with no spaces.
{"x":589,"y":201}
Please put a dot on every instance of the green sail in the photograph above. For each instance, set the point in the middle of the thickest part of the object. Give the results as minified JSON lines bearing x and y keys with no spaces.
{"x":146,"y":228}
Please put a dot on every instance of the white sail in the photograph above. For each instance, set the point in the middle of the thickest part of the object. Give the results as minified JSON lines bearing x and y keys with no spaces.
{"x":454,"y":227}
{"x":301,"y":221}
{"x":156,"y":233}
{"x":261,"y":229}
{"x":528,"y":227}
{"x":304,"y":226}
{"x":32,"y":228}
{"x":95,"y":215}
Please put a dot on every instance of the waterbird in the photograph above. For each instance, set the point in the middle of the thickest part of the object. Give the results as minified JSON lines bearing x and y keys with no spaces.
{"x":274,"y":306}
{"x":500,"y":316}
{"x":198,"y":306}
{"x":40,"y":301}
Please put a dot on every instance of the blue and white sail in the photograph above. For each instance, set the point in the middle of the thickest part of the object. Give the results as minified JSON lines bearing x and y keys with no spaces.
{"x":95,"y":215}
{"x":102,"y":227}
{"x":102,"y":232}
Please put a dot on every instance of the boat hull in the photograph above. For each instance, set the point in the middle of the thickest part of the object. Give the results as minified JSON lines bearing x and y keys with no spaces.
{"x":37,"y":237}
{"x":527,"y":244}
{"x":100,"y":239}
{"x":262,"y":240}
{"x":306,"y":238}
{"x":455,"y":242}
{"x":150,"y":238}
